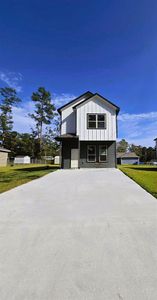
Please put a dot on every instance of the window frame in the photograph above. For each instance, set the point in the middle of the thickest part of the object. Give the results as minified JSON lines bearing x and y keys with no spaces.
{"x":89,"y":161}
{"x":96,"y":121}
{"x":102,"y":161}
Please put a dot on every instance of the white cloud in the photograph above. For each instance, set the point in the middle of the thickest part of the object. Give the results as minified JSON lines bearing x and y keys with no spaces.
{"x":12,"y":79}
{"x":138,"y":117}
{"x":23,"y":123}
{"x":139,"y":129}
{"x":63,"y":98}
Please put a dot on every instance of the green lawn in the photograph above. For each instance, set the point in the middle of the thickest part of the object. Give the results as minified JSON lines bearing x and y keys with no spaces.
{"x":146,"y":176}
{"x":11,"y":177}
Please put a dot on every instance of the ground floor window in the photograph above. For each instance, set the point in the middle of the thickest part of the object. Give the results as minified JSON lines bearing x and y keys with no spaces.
{"x":91,"y":153}
{"x":96,"y":153}
{"x":102,"y":153}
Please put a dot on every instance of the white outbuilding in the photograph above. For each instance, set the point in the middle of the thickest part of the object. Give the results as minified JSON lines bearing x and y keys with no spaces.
{"x":22,"y":160}
{"x":3,"y":156}
{"x":57,"y":160}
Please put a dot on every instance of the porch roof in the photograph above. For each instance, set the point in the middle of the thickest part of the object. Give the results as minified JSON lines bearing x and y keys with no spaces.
{"x":4,"y":150}
{"x":67,"y":136}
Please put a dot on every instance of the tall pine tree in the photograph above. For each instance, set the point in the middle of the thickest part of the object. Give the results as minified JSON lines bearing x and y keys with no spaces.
{"x":43,"y":114}
{"x":8,"y":99}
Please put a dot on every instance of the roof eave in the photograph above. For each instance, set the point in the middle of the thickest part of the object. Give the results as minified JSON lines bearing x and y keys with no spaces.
{"x":96,"y":94}
{"x":117,"y":107}
{"x":70,"y":102}
{"x":4,"y":150}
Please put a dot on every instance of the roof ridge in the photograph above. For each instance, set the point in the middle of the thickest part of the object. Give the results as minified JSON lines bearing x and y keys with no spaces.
{"x":70,"y":102}
{"x":117,"y":108}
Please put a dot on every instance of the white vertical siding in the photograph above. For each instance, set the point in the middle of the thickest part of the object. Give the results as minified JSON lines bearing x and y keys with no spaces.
{"x":96,"y":105}
{"x":68,"y":118}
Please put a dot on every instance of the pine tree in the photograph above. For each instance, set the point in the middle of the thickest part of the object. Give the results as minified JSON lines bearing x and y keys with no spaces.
{"x":43,"y":114}
{"x":8,"y":99}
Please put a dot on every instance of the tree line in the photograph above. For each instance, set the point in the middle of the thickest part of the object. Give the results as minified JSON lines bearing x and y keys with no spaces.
{"x":145,"y":154}
{"x":41,"y":139}
{"x":40,"y":142}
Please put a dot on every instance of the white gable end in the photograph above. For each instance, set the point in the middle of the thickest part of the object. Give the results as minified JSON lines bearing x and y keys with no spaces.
{"x":68,"y":124}
{"x":96,"y":104}
{"x":68,"y":118}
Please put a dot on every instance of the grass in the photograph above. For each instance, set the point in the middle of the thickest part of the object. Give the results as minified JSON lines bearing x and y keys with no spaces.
{"x":145,"y":176}
{"x":11,"y":177}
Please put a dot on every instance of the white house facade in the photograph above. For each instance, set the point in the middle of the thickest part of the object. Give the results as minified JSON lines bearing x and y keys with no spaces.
{"x":88,"y":132}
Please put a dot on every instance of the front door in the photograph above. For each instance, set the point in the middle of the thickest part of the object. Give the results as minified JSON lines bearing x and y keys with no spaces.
{"x":74,"y":158}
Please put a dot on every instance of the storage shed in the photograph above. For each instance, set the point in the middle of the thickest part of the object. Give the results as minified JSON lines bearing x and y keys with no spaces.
{"x":129,"y":158}
{"x":57,"y":160}
{"x":22,"y":160}
{"x":3,"y":156}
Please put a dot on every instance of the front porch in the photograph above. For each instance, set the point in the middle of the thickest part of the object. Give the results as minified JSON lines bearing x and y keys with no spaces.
{"x":86,"y":154}
{"x":69,"y":151}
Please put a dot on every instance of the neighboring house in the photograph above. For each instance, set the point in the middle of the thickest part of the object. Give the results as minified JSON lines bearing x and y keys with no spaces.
{"x":22,"y":160}
{"x":129,"y":158}
{"x":88,"y":132}
{"x":3,"y":156}
{"x":156,"y":146}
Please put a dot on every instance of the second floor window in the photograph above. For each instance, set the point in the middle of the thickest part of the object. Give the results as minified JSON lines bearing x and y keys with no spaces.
{"x":96,"y":121}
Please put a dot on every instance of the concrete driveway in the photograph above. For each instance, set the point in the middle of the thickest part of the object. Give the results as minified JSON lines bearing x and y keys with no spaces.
{"x":81,"y":234}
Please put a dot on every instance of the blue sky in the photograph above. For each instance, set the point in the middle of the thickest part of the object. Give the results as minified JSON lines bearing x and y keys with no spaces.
{"x":73,"y":46}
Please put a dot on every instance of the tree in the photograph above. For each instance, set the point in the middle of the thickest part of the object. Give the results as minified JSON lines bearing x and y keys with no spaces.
{"x":43,"y":114}
{"x":145,"y":154}
{"x":122,"y":146}
{"x":50,"y":146}
{"x":150,"y":154}
{"x":13,"y":143}
{"x":26,"y":144}
{"x":8,"y":99}
{"x":136,"y":149}
{"x":21,"y":144}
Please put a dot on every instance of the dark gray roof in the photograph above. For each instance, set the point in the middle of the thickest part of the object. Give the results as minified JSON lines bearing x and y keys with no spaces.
{"x":87,"y":95}
{"x":127,"y":155}
{"x":4,"y":150}
{"x":96,"y":94}
{"x":66,"y":136}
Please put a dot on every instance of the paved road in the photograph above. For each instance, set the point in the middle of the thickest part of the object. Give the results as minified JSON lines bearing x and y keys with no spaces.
{"x":78,"y":235}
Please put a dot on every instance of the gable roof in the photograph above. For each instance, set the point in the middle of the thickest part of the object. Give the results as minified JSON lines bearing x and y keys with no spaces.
{"x":126,"y":155}
{"x":87,"y":95}
{"x":96,"y":94}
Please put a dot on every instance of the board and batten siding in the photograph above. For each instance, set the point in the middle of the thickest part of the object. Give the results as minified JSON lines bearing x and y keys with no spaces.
{"x":68,"y":118}
{"x":96,"y":105}
{"x":68,"y":123}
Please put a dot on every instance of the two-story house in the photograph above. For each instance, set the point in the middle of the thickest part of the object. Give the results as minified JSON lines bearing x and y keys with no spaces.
{"x":88,"y":132}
